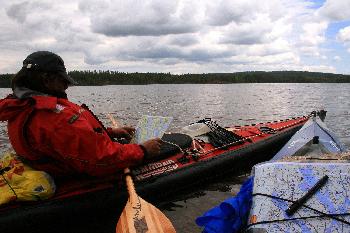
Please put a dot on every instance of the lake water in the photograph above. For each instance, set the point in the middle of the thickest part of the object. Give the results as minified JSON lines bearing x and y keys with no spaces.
{"x":228,"y":104}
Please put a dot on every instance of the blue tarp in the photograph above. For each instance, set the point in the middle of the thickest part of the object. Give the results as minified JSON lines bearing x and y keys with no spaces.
{"x":231,"y":215}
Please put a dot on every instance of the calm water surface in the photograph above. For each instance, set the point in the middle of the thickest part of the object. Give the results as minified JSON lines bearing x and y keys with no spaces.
{"x":228,"y":104}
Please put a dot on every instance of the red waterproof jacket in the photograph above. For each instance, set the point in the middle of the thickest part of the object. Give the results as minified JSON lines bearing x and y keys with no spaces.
{"x":62,"y":138}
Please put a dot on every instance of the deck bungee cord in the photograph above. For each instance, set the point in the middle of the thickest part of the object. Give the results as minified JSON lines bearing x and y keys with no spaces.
{"x":2,"y":171}
{"x":322,"y":214}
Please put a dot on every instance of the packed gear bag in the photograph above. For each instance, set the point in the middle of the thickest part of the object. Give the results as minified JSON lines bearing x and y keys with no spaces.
{"x":19,"y":182}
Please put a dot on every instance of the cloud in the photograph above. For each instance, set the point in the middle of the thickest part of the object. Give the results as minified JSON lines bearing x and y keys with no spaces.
{"x":221,"y":13}
{"x":18,"y":11}
{"x":35,"y":15}
{"x":158,"y":51}
{"x":224,"y":12}
{"x":344,"y":35}
{"x":171,"y":36}
{"x":141,"y":18}
{"x":313,"y":33}
{"x":255,"y":32}
{"x":45,"y":25}
{"x":337,"y":58}
{"x":184,"y":40}
{"x":194,"y":37}
{"x":279,"y":46}
{"x":336,"y":10}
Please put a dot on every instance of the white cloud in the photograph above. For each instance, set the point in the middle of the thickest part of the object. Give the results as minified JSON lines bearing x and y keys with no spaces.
{"x":169,"y":36}
{"x":336,"y":10}
{"x":221,"y":13}
{"x":313,"y":33}
{"x":252,"y":33}
{"x":336,"y":58}
{"x":319,"y":68}
{"x":141,"y":18}
{"x":184,"y":40}
{"x":344,"y":35}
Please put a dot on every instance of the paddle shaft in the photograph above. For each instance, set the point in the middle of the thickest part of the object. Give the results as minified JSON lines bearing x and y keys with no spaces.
{"x":130,"y":186}
{"x":113,"y":120}
{"x":140,"y":216}
{"x":128,"y":180}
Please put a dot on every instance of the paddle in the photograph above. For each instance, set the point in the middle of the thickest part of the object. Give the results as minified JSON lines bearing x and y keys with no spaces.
{"x":138,"y":215}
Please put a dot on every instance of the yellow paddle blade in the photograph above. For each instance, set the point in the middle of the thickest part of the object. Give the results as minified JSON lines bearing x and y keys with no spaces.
{"x":140,"y":216}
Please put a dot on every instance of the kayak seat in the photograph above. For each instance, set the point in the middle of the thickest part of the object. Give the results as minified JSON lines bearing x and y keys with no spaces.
{"x":172,"y":142}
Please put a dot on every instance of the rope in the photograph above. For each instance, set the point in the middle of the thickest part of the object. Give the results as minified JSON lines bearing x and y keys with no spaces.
{"x":333,"y":216}
{"x":323,"y":215}
{"x":3,"y":170}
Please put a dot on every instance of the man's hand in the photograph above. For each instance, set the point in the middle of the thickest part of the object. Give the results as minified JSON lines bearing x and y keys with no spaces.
{"x":152,"y":147}
{"x":123,"y":132}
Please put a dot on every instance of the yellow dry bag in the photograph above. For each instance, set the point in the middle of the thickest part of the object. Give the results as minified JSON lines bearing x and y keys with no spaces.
{"x":19,"y":182}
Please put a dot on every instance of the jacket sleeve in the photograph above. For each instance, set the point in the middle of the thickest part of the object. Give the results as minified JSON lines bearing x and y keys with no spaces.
{"x":85,"y":149}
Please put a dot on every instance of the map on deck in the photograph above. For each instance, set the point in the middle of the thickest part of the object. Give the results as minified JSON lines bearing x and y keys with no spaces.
{"x":290,"y":181}
{"x":150,"y":127}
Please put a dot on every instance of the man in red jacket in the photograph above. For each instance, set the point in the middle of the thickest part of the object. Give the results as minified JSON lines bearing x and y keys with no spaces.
{"x":58,"y":136}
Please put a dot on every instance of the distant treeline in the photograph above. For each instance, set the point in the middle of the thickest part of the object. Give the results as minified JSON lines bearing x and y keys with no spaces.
{"x":97,"y":78}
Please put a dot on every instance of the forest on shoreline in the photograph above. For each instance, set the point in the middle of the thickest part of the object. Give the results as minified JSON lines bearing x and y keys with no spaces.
{"x":99,"y":78}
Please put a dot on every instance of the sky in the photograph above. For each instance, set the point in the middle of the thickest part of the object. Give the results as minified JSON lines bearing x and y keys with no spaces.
{"x":179,"y":36}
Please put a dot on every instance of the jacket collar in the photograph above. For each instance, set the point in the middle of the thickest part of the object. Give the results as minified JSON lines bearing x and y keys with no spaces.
{"x":23,"y":93}
{"x":42,"y":101}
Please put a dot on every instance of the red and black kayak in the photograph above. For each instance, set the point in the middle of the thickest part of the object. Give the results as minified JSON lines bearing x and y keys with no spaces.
{"x":86,"y":205}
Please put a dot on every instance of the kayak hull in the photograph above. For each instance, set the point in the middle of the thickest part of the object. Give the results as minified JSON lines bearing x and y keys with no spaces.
{"x":96,"y":207}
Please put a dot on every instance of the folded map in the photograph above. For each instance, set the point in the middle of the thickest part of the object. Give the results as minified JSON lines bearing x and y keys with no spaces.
{"x":150,"y":127}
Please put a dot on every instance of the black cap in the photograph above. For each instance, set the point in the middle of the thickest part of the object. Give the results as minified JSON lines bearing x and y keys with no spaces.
{"x":48,"y":62}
